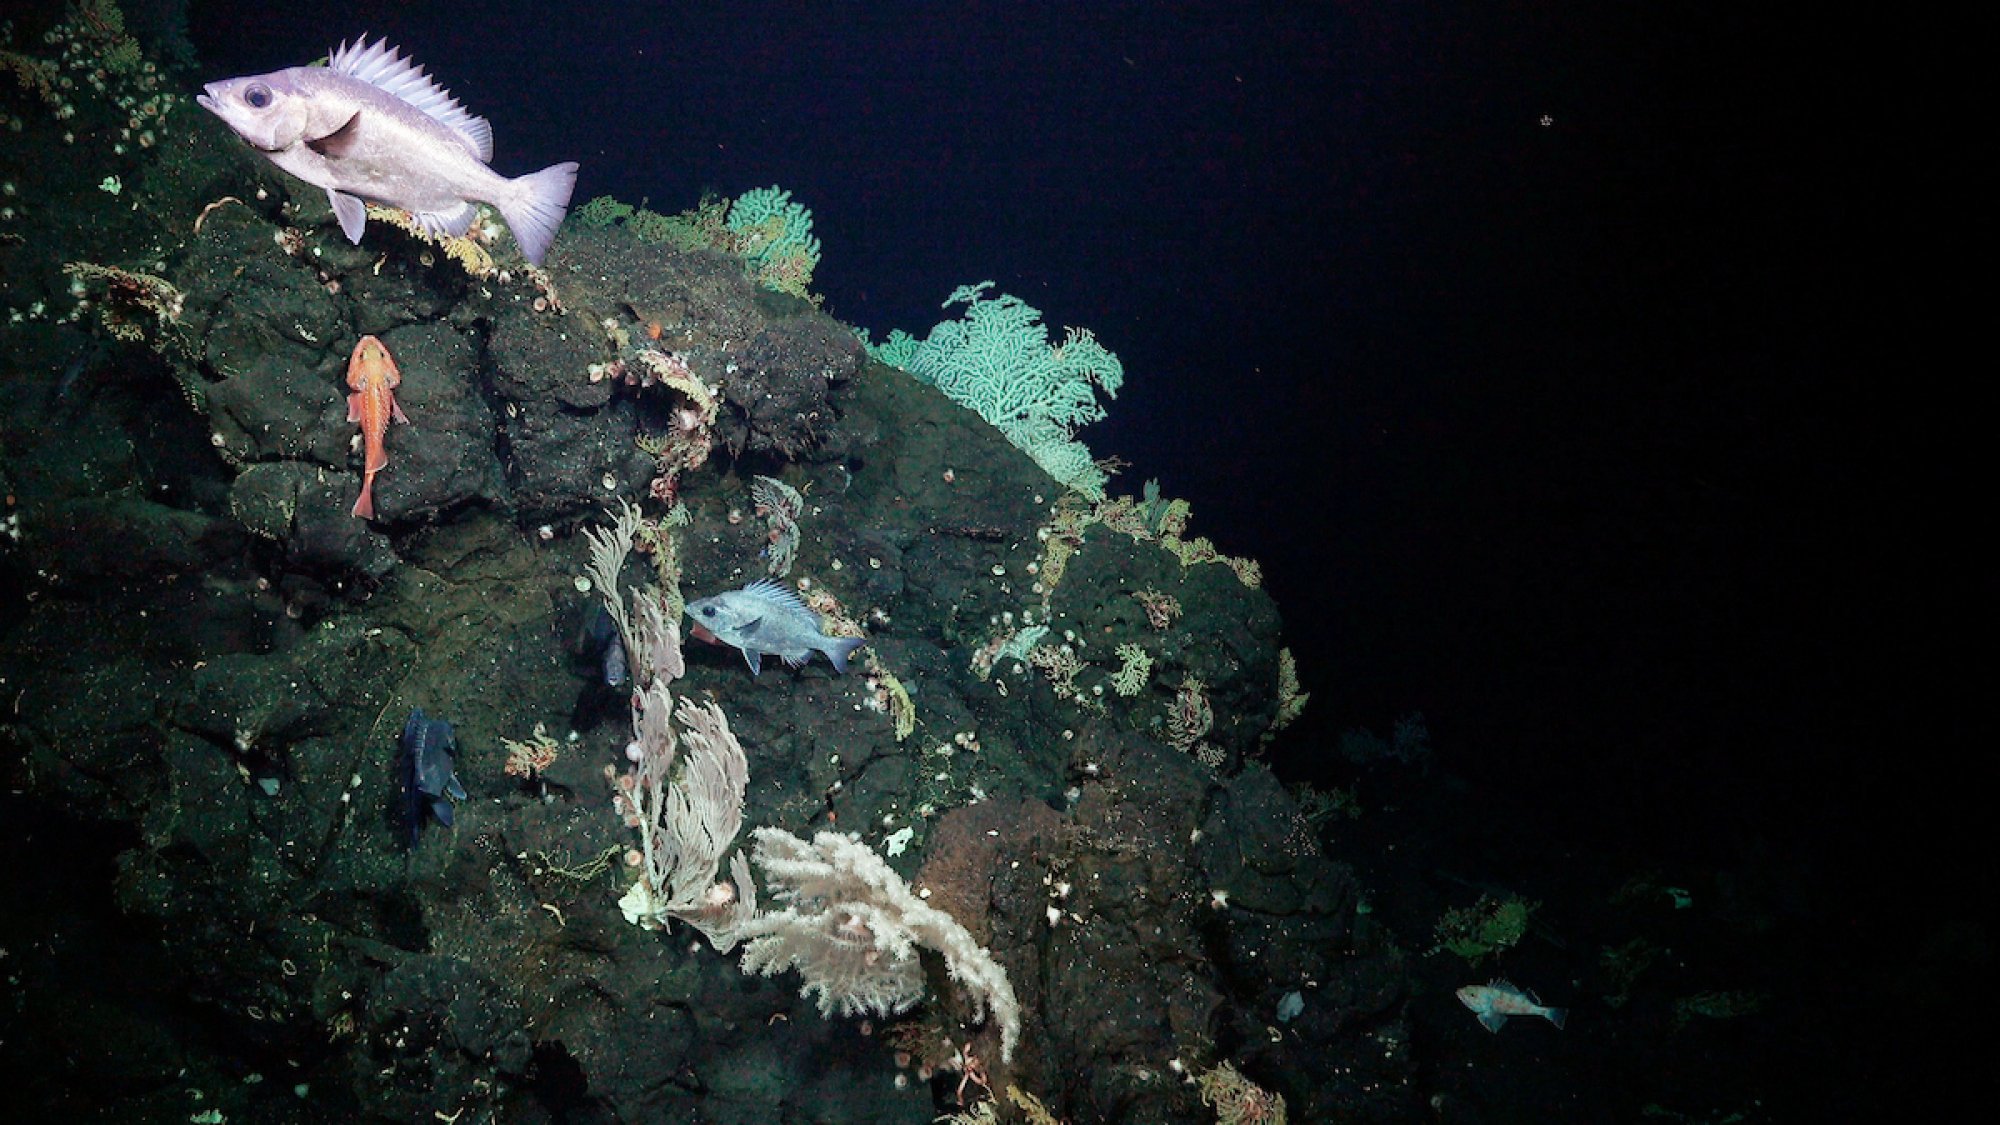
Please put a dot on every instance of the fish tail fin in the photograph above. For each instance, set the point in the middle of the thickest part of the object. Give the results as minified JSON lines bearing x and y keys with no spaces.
{"x":838,"y":649}
{"x":1558,"y":1016}
{"x":536,"y":205}
{"x":364,"y":505}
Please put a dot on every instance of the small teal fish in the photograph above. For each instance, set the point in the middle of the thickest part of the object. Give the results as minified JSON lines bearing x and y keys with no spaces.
{"x":1493,"y":1003}
{"x":764,"y":617}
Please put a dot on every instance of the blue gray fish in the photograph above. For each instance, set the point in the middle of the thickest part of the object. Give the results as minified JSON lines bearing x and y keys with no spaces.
{"x":371,"y":126}
{"x":764,"y":617}
{"x":430,"y":774}
{"x":601,"y":642}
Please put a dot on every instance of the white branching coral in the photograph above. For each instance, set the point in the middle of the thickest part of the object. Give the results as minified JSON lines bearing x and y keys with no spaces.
{"x":686,"y":817}
{"x":846,"y":921}
{"x":609,"y":547}
{"x":649,"y":627}
{"x":851,"y":927}
{"x":687,"y":822}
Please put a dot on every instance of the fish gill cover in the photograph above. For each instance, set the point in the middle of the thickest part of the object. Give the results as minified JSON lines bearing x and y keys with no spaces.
{"x":1050,"y":740}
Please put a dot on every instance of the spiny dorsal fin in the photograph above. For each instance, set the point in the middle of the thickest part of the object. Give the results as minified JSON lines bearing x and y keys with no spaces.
{"x":778,"y":596}
{"x":385,"y":68}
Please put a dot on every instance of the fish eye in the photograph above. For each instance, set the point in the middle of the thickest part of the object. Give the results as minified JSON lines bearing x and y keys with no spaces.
{"x":258,"y":96}
{"x":708,"y":611}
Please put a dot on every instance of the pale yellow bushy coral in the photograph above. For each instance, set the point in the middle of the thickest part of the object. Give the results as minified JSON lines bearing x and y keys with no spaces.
{"x":464,"y":249}
{"x":1239,"y":1101}
{"x":123,"y":295}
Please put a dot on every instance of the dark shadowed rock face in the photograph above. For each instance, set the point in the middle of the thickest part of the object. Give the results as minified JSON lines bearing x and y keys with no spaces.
{"x":781,"y":397}
{"x":208,"y":658}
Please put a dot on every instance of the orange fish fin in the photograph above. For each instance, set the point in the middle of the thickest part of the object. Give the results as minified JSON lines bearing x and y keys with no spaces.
{"x":396,"y":411}
{"x":354,"y":407}
{"x":364,"y":507}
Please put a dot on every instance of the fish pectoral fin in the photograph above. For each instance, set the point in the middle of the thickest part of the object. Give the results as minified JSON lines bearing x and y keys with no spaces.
{"x":339,"y":142}
{"x":354,"y":415}
{"x":441,"y":809}
{"x":1491,"y":1021}
{"x":352,"y":213}
{"x":396,"y":412}
{"x":453,"y":789}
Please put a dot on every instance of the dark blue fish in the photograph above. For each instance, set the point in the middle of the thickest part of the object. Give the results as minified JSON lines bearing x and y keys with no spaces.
{"x":429,"y":775}
{"x":83,"y":361}
{"x":601,"y":642}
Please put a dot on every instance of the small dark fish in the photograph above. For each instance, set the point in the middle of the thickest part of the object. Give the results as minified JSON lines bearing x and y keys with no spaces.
{"x":601,"y":642}
{"x":429,"y":774}
{"x":764,"y":617}
{"x":83,"y":361}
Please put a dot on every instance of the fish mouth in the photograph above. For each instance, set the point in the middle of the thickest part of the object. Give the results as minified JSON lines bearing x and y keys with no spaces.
{"x":211,"y":101}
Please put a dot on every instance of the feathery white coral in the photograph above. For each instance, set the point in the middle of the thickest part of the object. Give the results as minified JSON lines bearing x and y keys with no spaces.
{"x":851,"y":927}
{"x":687,"y":823}
{"x":687,"y":819}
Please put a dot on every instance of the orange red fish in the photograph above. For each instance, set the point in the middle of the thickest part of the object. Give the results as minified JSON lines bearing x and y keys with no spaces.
{"x":372,"y":376}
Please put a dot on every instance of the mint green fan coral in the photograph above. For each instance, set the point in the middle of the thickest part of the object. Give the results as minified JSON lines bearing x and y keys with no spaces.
{"x":997,"y":361}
